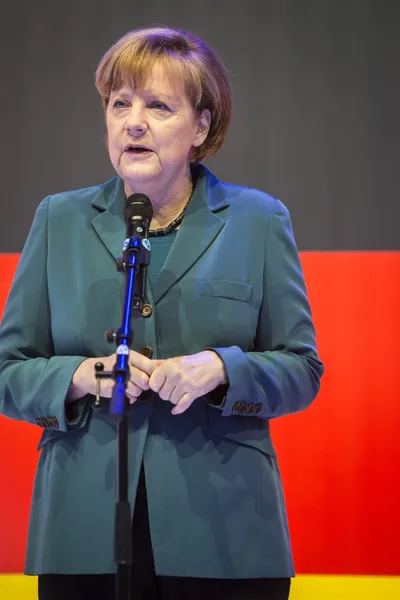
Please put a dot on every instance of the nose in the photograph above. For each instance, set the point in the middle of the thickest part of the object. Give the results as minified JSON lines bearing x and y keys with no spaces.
{"x":136,"y":124}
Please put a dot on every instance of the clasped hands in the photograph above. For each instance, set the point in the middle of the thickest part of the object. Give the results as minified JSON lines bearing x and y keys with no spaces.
{"x":178,"y":380}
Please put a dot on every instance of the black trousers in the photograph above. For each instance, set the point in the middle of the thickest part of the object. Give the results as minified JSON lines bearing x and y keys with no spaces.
{"x":144,"y":584}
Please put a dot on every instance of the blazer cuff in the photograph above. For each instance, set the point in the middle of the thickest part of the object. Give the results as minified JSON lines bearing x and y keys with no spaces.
{"x":217,"y":397}
{"x":237,"y":400}
{"x":76,"y":413}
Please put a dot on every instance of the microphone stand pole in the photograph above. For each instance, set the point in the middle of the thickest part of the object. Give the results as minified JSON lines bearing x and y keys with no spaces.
{"x":136,"y":257}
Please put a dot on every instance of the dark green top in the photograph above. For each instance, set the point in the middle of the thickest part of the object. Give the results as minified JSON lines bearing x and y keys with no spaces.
{"x":160,"y":247}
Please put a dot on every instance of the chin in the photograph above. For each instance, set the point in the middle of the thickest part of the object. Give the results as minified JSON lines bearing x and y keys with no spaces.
{"x":139,"y":174}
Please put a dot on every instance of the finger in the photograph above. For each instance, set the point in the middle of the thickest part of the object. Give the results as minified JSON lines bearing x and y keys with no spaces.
{"x":133,"y":390}
{"x":157,"y":379}
{"x":139,"y":378}
{"x":176,"y":395}
{"x":132,"y":399}
{"x":166,"y":391}
{"x":184,"y":403}
{"x":141,"y":362}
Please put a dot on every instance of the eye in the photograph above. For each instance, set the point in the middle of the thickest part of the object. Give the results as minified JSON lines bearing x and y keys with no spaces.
{"x":120,"y":104}
{"x":158,"y":105}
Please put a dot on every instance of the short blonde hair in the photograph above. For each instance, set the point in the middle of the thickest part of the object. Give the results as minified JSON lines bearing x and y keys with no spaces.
{"x":131,"y":59}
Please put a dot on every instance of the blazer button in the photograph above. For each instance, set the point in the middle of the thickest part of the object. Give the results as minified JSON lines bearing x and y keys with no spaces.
{"x":147,"y":310}
{"x":146,"y":351}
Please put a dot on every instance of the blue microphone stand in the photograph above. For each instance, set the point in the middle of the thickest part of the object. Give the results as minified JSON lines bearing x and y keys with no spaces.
{"x":136,"y":257}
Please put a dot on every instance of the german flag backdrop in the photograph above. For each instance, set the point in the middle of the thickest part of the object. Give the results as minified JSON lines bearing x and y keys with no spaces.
{"x":315,"y":123}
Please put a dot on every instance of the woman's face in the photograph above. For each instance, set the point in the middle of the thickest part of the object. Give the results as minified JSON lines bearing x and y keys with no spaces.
{"x":151,"y":131}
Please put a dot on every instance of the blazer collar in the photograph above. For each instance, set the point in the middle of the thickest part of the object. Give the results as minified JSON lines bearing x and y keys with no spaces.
{"x":199,"y":228}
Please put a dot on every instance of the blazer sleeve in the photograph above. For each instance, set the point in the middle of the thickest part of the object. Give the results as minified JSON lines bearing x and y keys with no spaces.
{"x":33,"y":382}
{"x":282,"y":375}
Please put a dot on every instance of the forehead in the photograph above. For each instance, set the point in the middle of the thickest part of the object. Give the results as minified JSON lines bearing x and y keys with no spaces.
{"x":156,"y":80}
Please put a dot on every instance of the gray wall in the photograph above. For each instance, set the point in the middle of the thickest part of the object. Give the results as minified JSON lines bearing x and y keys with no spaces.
{"x":316,"y":106}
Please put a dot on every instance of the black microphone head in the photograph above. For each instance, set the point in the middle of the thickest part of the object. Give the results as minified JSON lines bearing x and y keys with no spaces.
{"x":138,"y":206}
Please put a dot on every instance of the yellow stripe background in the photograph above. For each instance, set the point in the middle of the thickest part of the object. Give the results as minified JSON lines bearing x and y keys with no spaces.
{"x":304,"y":587}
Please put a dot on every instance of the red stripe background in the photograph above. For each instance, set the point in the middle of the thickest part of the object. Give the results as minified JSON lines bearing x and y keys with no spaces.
{"x":339,"y":459}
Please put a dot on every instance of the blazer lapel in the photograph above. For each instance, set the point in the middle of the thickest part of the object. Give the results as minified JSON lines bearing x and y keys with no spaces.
{"x":110,"y":223}
{"x":199,"y":229}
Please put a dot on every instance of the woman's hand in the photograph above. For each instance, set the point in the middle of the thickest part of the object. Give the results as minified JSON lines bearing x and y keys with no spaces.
{"x":84,"y":382}
{"x":183,"y":379}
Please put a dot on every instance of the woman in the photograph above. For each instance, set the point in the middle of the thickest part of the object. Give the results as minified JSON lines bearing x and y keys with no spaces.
{"x":229,"y":345}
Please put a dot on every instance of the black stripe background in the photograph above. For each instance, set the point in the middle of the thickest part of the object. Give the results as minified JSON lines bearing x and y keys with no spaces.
{"x":316,"y":107}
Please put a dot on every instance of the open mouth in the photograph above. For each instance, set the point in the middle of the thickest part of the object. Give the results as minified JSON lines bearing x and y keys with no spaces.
{"x":136,"y":150}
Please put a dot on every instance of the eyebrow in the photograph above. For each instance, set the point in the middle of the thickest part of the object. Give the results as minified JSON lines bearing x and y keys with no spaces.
{"x":146,"y":92}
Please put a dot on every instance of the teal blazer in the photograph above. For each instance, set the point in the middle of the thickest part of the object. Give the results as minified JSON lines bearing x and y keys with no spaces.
{"x":232,"y":282}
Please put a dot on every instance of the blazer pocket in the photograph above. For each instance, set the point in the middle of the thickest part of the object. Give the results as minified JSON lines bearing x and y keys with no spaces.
{"x":234,"y":290}
{"x":249,"y":431}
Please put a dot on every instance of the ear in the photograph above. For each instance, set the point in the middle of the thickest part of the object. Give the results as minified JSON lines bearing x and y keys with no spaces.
{"x":202,"y":127}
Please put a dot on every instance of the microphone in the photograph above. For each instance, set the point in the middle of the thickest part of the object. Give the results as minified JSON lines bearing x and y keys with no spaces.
{"x":138,"y":213}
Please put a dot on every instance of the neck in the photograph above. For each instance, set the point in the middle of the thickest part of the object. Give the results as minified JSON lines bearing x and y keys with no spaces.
{"x":166,"y":205}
